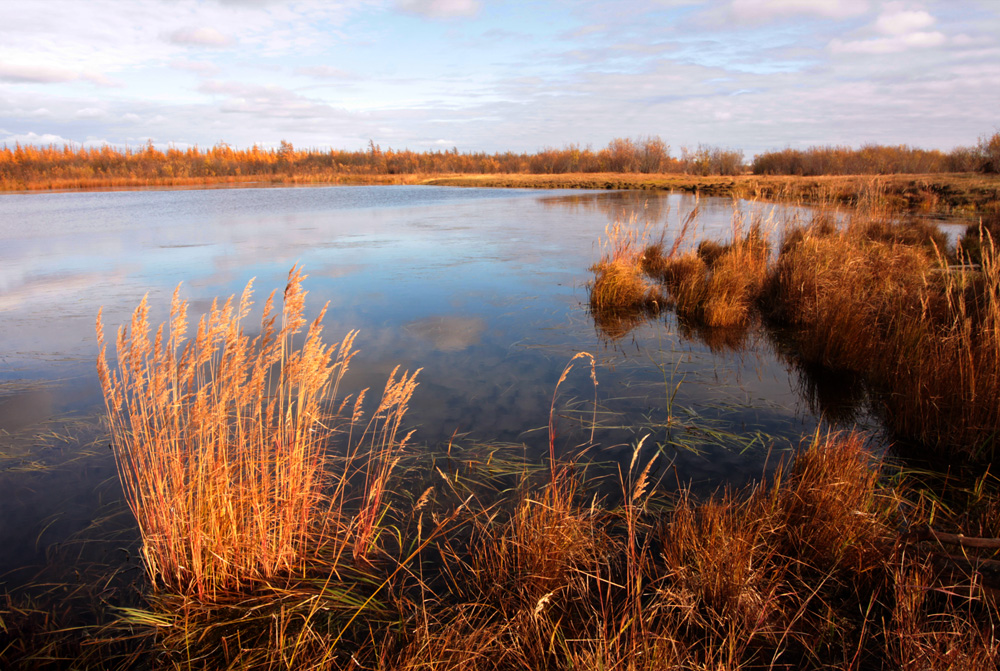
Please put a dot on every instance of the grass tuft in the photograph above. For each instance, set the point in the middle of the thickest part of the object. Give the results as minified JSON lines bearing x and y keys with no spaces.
{"x":222,"y":443}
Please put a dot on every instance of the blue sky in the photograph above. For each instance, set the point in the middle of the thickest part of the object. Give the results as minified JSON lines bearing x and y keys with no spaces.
{"x":493,"y":76}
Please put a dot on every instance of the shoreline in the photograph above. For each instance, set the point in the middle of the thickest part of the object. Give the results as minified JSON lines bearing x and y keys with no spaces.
{"x":945,"y":193}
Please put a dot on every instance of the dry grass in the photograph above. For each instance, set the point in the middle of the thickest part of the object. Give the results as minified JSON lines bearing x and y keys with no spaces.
{"x":223,"y":442}
{"x":621,"y":290}
{"x":889,"y":304}
{"x":716,"y":285}
{"x":881,"y":298}
{"x":805,"y":571}
{"x":921,"y":193}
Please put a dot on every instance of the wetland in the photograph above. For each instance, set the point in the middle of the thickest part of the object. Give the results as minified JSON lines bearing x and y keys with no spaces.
{"x":487,"y":293}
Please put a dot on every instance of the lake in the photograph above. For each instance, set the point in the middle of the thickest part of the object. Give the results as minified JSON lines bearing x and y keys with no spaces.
{"x":485,"y":290}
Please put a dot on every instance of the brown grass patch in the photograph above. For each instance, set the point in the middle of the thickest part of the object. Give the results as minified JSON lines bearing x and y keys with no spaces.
{"x":222,"y":444}
{"x":891,"y":306}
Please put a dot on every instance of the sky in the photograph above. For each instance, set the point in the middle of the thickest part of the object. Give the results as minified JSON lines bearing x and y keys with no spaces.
{"x":484,"y":75}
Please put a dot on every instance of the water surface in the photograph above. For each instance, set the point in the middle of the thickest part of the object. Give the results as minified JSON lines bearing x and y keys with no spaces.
{"x":483,"y":289}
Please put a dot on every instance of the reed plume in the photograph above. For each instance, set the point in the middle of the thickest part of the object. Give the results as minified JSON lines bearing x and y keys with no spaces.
{"x":221,"y":441}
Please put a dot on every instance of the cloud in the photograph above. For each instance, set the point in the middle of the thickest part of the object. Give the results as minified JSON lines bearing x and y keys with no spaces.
{"x":766,"y":9}
{"x":40,"y":140}
{"x":90,"y":113}
{"x":33,"y":74}
{"x":439,"y":9}
{"x":266,"y":101}
{"x":246,"y":3}
{"x":903,"y":30}
{"x":889,"y":45}
{"x":324,"y":72}
{"x":894,"y":20}
{"x":198,"y":67}
{"x":202,"y":37}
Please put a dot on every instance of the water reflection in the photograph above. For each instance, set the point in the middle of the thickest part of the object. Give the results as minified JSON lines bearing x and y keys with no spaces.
{"x":449,"y":333}
{"x":483,"y":289}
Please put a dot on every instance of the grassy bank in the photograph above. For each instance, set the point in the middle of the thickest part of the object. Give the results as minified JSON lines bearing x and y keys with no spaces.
{"x":111,"y":183}
{"x":933,"y":193}
{"x":948,"y":192}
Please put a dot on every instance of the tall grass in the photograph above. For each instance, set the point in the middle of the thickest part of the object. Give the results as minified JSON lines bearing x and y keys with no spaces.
{"x":223,"y":442}
{"x":873,"y":295}
{"x":621,"y":285}
{"x":897,"y":309}
{"x":715,"y":285}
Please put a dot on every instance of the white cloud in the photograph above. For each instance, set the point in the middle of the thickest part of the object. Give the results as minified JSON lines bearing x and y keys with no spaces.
{"x":198,"y":67}
{"x":202,"y":37}
{"x":324,"y":72}
{"x":440,"y":8}
{"x":889,"y":45}
{"x":895,"y":20}
{"x":34,"y":74}
{"x":43,"y":139}
{"x":90,"y":113}
{"x":765,"y":9}
{"x":904,"y":30}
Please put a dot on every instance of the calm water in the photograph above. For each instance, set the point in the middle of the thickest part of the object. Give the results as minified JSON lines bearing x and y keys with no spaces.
{"x":483,"y":289}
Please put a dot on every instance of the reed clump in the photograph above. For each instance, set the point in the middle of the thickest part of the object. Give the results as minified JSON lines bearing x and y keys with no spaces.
{"x":717,"y":284}
{"x":739,"y":564}
{"x":621,"y":294}
{"x":895,"y":308}
{"x":868,"y":293}
{"x":223,"y":444}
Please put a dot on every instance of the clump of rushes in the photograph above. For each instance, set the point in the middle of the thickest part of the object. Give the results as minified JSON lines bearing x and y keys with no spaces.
{"x":717,"y":285}
{"x":620,"y":283}
{"x":804,"y":571}
{"x":874,"y":296}
{"x":222,"y":443}
{"x":894,"y":308}
{"x":739,"y":563}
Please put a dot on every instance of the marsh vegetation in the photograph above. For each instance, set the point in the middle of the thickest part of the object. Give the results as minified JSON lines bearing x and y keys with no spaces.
{"x":288,"y":520}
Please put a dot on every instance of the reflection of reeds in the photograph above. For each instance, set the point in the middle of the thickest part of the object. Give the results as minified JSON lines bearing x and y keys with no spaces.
{"x":719,"y":340}
{"x":222,"y":442}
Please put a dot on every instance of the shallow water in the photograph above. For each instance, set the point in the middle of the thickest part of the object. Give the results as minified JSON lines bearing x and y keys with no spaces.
{"x":483,"y":289}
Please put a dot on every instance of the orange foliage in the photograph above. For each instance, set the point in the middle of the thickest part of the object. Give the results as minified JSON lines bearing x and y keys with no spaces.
{"x":33,"y":167}
{"x":875,"y":159}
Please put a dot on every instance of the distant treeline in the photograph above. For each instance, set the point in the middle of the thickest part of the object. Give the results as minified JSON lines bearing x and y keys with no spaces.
{"x":29,"y":166}
{"x":875,"y":159}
